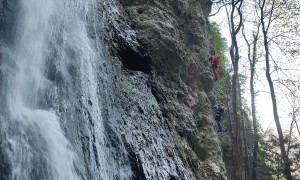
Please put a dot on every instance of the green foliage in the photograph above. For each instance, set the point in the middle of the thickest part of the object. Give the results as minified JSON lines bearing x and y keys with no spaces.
{"x":220,"y":43}
{"x":270,"y":161}
{"x":223,"y":85}
{"x":268,"y":157}
{"x":220,"y":46}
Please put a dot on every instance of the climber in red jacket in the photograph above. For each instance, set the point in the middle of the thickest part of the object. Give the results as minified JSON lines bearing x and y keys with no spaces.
{"x":215,"y":60}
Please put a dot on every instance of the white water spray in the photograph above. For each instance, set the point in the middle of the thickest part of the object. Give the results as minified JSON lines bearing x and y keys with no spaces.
{"x":37,"y":129}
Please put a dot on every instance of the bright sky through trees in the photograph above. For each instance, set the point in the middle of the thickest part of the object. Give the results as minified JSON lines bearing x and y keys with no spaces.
{"x":284,"y":54}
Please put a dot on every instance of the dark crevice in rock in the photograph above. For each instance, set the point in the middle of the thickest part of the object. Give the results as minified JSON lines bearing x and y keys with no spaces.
{"x":72,"y":70}
{"x":135,"y":162}
{"x":201,"y":153}
{"x":8,"y":19}
{"x":90,"y":118}
{"x":114,"y":140}
{"x":50,"y":70}
{"x":95,"y":151}
{"x":4,"y":165}
{"x":52,"y":74}
{"x":85,"y":148}
{"x":133,"y":60}
{"x":93,"y":139}
{"x":172,"y":177}
{"x":129,"y":49}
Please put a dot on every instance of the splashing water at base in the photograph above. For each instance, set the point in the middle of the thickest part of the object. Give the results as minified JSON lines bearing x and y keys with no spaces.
{"x":41,"y":140}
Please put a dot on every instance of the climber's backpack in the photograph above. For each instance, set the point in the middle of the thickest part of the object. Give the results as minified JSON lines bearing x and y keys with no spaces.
{"x":209,"y":60}
{"x":216,"y":107}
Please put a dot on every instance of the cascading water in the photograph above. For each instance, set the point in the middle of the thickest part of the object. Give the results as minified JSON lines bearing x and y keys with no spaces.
{"x":51,"y":47}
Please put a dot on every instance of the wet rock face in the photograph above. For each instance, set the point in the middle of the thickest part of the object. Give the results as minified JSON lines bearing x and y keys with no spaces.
{"x":169,"y":44}
{"x":7,"y":17}
{"x":7,"y":20}
{"x":139,"y":131}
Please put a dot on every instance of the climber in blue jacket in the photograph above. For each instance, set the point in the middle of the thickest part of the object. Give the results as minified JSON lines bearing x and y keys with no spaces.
{"x":219,"y":110}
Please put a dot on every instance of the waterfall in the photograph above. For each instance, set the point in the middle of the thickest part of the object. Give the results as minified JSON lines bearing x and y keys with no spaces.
{"x":51,"y":49}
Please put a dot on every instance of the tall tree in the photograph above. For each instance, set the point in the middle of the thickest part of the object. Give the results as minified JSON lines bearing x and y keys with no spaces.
{"x":266,"y":18}
{"x":252,"y":58}
{"x":235,"y":27}
{"x":244,"y":134}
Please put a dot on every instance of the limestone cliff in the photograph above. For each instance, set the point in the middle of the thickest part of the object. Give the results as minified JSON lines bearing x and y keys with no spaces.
{"x":123,"y":85}
{"x":170,"y":41}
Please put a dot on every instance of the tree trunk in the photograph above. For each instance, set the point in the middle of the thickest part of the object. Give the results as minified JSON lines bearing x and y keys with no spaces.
{"x":265,"y":28}
{"x":252,"y":92}
{"x":290,"y":134}
{"x":287,"y":169}
{"x":236,"y":127}
{"x":285,"y":158}
{"x":252,"y":62}
{"x":234,"y":55}
{"x":231,"y":134}
{"x":245,"y":142}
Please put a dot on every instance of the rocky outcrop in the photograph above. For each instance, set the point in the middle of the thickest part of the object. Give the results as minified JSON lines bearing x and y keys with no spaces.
{"x":170,"y":42}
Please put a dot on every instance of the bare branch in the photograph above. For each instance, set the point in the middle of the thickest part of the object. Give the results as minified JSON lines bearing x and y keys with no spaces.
{"x":270,"y":16}
{"x":219,"y":8}
{"x":240,"y":17}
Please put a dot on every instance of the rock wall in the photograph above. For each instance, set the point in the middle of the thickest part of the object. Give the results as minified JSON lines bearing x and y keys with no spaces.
{"x":152,"y":116}
{"x":170,"y":41}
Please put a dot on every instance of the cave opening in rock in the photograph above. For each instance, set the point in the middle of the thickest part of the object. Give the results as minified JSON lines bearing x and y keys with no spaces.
{"x":134,"y":60}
